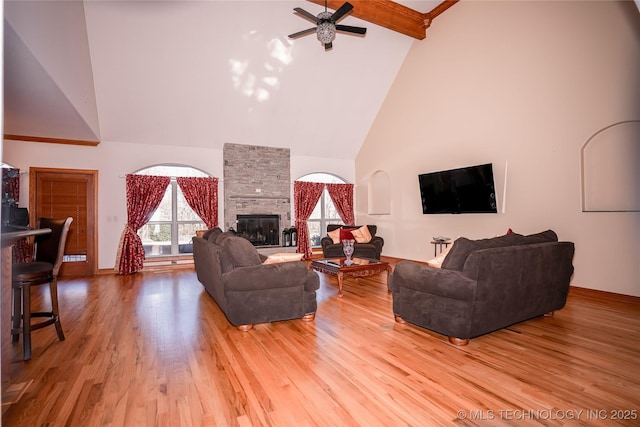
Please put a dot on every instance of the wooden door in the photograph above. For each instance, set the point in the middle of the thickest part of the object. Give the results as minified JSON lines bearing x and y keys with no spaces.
{"x":60,"y":193}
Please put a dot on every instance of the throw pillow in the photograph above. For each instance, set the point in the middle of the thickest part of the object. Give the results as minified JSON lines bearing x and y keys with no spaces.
{"x":282,"y":257}
{"x":437,"y":261}
{"x":362,"y":235}
{"x":241,"y":252}
{"x":345,"y":234}
{"x":542,"y":237}
{"x":463,"y":247}
{"x":212,"y":234}
{"x":335,"y":235}
{"x":457,"y":256}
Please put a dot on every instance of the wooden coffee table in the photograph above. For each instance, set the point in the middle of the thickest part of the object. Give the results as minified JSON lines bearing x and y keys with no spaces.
{"x":361,"y":267}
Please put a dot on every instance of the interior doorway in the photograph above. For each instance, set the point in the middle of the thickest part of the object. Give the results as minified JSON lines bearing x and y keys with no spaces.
{"x":60,"y":193}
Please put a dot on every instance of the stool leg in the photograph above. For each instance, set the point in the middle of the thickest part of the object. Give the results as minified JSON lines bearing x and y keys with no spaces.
{"x":26,"y":322}
{"x":16,"y":297}
{"x":53,"y":286}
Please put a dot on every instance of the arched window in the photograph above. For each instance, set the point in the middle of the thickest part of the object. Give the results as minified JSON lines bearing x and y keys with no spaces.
{"x":174,"y":223}
{"x":325,"y":211}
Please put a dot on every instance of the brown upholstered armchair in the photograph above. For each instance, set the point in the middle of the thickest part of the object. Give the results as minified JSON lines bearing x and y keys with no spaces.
{"x":371,"y":249}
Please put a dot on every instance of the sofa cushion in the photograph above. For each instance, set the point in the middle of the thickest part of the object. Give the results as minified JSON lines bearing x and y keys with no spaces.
{"x":362,"y":234}
{"x":462,"y":248}
{"x":282,"y":257}
{"x":237,"y":252}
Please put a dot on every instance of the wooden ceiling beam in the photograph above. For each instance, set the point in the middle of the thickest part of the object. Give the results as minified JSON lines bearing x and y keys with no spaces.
{"x":439,"y":9}
{"x":392,"y":15}
{"x":27,"y":138}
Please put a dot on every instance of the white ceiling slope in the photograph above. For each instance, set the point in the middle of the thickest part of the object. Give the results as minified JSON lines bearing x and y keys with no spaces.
{"x":194,"y":73}
{"x":49,"y":88}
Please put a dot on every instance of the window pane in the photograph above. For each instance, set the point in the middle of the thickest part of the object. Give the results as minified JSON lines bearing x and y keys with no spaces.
{"x":321,"y":177}
{"x":172,"y":170}
{"x":330,"y":211}
{"x":324,"y":212}
{"x":185,"y":233}
{"x":163,"y":213}
{"x":314,"y":233}
{"x":174,"y":223}
{"x":185,"y":213}
{"x":317,"y":211}
{"x":156,"y":239}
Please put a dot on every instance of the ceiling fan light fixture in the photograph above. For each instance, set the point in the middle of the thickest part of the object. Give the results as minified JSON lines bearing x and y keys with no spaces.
{"x":327,"y":24}
{"x":326,"y":30}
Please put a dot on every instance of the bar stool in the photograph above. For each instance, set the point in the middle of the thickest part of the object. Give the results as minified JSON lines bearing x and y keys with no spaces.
{"x":48,"y":253}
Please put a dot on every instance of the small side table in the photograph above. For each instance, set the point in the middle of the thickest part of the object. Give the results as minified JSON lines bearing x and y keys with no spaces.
{"x":439,"y":243}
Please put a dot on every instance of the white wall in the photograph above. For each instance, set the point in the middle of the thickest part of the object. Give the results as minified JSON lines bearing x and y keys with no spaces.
{"x":113,"y":160}
{"x":522,"y":85}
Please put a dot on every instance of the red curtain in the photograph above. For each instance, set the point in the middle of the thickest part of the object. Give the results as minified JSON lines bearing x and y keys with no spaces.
{"x":305,"y":197}
{"x":342,"y":196}
{"x":11,"y":183}
{"x":144,"y":194}
{"x":11,"y":186}
{"x":202,"y":195}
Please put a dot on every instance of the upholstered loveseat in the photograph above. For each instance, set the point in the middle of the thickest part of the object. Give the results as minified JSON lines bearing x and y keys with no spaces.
{"x":370,"y":245}
{"x":484,"y":285}
{"x":247,"y":290}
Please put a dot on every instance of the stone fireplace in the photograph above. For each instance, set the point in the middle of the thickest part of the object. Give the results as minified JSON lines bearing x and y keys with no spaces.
{"x":257,"y":183}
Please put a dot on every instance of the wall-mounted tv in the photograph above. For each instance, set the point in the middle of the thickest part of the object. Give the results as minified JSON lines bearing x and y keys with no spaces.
{"x":457,"y":191}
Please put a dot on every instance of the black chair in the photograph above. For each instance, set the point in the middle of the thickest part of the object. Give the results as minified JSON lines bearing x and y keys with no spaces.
{"x":48,"y":253}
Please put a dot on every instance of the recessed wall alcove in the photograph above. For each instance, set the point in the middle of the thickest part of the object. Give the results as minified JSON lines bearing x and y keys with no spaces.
{"x":610,"y":166}
{"x":379,"y":194}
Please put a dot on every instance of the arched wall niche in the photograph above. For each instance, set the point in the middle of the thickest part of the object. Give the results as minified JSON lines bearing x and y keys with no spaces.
{"x":379,"y":194}
{"x":610,"y":166}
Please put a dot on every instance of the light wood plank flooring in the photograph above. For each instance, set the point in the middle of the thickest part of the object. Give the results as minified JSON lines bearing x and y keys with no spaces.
{"x":153,"y":349}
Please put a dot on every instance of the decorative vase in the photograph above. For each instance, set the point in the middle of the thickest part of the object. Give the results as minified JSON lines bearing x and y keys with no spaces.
{"x":347,"y":247}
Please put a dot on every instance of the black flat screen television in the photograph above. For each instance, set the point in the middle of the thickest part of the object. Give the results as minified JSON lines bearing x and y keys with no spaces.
{"x":457,"y":191}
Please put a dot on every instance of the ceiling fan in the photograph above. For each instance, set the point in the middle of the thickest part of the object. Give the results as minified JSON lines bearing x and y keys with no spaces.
{"x":326,"y":24}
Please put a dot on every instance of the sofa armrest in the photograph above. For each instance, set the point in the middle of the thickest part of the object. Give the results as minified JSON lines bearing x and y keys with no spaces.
{"x":378,"y":242}
{"x":313,"y":281}
{"x":326,"y":241}
{"x":269,"y":276}
{"x":436,"y":281}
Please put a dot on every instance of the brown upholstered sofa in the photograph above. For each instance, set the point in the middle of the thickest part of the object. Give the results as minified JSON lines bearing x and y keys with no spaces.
{"x":484,"y":285}
{"x":371,"y":249}
{"x":248,"y":291}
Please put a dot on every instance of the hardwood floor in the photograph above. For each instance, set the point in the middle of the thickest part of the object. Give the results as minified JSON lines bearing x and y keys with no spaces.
{"x":153,"y":349}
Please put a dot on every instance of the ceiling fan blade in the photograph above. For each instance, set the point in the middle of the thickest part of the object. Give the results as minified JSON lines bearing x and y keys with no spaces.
{"x":328,"y":46}
{"x":302,"y":33}
{"x":306,"y":14}
{"x":344,"y":9}
{"x":350,"y":29}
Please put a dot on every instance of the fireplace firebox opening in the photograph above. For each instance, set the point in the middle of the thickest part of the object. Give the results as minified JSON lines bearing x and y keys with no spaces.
{"x":260,"y":230}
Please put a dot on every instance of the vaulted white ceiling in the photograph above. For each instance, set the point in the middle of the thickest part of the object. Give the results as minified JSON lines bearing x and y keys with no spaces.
{"x":195,"y":73}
